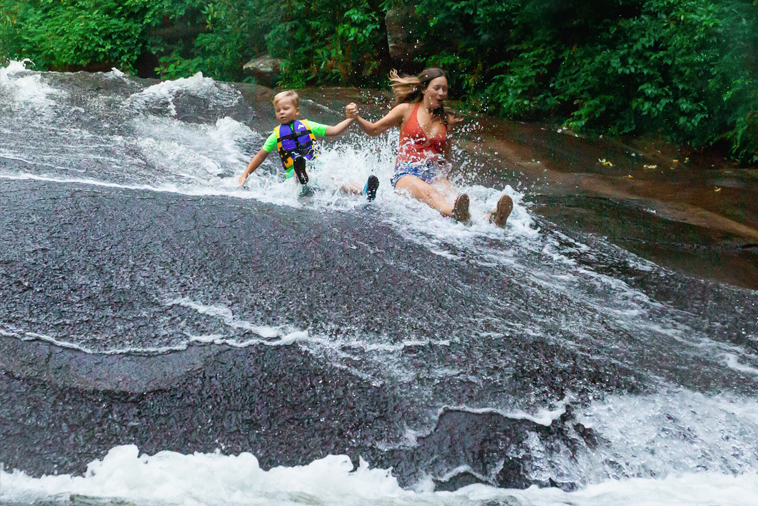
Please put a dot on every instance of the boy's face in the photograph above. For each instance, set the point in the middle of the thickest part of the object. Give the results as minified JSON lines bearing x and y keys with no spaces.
{"x":285,"y":110}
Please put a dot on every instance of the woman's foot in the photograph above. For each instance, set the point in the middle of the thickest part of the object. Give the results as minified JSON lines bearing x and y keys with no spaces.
{"x":500,"y":215}
{"x":369,"y":190}
{"x":460,"y":209}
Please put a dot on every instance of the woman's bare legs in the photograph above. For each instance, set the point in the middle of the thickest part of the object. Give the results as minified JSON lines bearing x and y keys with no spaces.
{"x":426,"y":193}
{"x":446,"y":188}
{"x":439,"y":195}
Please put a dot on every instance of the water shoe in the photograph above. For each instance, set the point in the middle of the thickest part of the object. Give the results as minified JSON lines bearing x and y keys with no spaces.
{"x":460,"y":209}
{"x":500,"y":215}
{"x":369,"y":189}
{"x":306,"y":190}
{"x":299,"y":166}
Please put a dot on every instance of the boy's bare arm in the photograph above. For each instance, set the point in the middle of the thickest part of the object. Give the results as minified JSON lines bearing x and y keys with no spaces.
{"x":254,"y":164}
{"x":339,"y":127}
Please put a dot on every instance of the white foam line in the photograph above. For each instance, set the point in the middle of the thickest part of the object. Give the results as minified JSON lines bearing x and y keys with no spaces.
{"x":189,"y":176}
{"x":444,"y":254}
{"x":392,"y":347}
{"x":103,"y":184}
{"x":238,"y":193}
{"x":729,"y":352}
{"x":546,"y":419}
{"x":19,"y":159}
{"x":285,"y":340}
{"x":545,"y":416}
{"x":467,"y":469}
{"x":34,"y":336}
{"x":227,"y":316}
{"x":732,"y":361}
{"x":170,"y":478}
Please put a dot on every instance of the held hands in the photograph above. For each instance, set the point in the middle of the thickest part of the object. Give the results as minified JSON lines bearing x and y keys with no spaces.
{"x":351,"y":111}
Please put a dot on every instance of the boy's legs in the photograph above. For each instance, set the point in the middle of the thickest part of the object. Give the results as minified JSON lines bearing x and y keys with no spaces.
{"x":351,"y":188}
{"x":369,"y":189}
{"x":299,"y":166}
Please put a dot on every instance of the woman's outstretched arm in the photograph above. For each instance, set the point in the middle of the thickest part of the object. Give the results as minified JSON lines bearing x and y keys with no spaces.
{"x":394,"y":118}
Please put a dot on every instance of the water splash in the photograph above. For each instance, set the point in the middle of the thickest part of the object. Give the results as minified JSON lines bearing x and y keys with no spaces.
{"x":169,"y":478}
{"x":23,"y":88}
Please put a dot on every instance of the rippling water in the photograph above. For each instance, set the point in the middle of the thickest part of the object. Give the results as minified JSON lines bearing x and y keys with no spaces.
{"x":160,"y":326}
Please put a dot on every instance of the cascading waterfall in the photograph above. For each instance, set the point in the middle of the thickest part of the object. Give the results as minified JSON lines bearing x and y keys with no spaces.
{"x":423,"y":355}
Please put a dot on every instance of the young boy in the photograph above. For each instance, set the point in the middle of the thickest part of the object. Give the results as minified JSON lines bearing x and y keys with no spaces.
{"x":293,"y":139}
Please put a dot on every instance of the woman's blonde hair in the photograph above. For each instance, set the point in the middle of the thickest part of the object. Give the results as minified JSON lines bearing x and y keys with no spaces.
{"x":409,"y":89}
{"x":287,"y":94}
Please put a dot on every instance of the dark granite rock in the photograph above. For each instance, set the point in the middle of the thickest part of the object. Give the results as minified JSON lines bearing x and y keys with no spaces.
{"x":264,"y":69}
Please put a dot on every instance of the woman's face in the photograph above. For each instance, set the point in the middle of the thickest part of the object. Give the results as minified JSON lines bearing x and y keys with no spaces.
{"x":436,"y":92}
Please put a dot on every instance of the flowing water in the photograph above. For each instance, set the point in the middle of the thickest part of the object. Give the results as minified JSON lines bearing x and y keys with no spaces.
{"x":167,"y":337}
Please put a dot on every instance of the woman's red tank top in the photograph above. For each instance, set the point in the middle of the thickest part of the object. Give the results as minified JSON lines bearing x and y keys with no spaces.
{"x":414,"y":146}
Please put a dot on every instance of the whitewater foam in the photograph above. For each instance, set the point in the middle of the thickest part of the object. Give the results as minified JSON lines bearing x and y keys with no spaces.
{"x":161,"y":96}
{"x":732,"y":361}
{"x":169,"y":478}
{"x":674,"y":431}
{"x":26,"y":87}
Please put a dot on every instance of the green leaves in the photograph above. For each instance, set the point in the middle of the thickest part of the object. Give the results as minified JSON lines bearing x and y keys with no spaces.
{"x":76,"y":33}
{"x":682,"y":67}
{"x":336,"y":42}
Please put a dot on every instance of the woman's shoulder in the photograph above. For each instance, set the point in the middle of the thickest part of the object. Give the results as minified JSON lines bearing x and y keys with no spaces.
{"x":407,"y":108}
{"x":400,"y":112}
{"x":404,"y":107}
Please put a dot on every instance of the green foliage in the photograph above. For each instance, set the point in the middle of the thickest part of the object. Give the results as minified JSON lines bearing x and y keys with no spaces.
{"x":519,"y":91}
{"x":174,"y":66}
{"x":681,"y":67}
{"x":685,"y":68}
{"x":336,"y":41}
{"x":75,"y":33}
{"x":648,"y":71}
{"x":234,"y":33}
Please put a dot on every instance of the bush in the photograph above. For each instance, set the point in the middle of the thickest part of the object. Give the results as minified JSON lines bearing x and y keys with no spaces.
{"x":685,"y":68}
{"x":681,"y":67}
{"x":234,"y":32}
{"x":71,"y":34}
{"x":330,"y":41}
{"x":76,"y":34}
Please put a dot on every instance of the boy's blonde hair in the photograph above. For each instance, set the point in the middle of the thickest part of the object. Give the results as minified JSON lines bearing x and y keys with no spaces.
{"x":287,"y":94}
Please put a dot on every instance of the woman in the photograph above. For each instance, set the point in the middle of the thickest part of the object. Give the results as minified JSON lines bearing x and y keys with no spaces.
{"x":424,"y":127}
